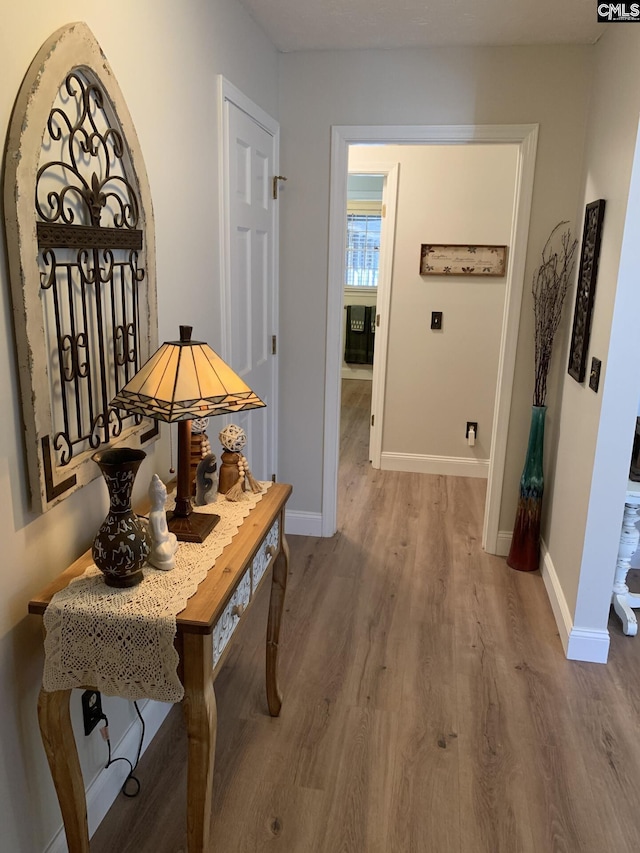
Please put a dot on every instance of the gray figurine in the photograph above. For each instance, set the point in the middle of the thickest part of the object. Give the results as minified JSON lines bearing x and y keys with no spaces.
{"x":206,"y":480}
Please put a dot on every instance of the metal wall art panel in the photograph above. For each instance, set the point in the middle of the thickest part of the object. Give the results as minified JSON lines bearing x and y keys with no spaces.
{"x":585,"y":292}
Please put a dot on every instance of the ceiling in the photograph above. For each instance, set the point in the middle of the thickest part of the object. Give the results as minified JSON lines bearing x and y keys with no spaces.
{"x":342,"y":24}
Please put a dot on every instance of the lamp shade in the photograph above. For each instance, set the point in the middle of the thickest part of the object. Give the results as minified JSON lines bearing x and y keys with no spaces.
{"x":185,"y":379}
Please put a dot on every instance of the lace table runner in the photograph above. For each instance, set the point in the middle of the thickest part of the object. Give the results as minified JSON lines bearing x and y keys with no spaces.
{"x":120,"y":641}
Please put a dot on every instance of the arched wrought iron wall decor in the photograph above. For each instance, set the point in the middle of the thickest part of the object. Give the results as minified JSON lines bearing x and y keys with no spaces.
{"x":85,"y":309}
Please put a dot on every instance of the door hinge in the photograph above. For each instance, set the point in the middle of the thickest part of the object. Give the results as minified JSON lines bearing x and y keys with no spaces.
{"x":276,"y":178}
{"x":384,"y":210}
{"x":373,"y":417}
{"x":274,"y":344}
{"x":377,"y":319}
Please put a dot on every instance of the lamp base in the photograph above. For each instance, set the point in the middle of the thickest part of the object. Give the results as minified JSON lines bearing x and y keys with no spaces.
{"x":194,"y":527}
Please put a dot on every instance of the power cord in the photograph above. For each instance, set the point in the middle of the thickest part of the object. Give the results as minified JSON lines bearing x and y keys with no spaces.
{"x":104,"y":731}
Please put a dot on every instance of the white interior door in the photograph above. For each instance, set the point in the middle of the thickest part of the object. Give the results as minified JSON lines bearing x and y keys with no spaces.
{"x":250,"y":271}
{"x":385,"y":276}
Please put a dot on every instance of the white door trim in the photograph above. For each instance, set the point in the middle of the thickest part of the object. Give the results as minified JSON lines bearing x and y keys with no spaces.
{"x":526,"y":137}
{"x":228,"y":93}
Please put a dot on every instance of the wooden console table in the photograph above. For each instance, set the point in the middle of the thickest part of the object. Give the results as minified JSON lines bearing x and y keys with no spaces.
{"x":204,"y":629}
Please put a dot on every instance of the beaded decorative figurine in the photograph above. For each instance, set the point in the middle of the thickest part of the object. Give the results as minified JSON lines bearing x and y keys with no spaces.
{"x":234,"y":475}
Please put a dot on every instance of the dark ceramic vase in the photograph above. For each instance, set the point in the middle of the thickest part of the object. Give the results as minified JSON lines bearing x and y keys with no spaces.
{"x":524,"y":554}
{"x":122,"y":544}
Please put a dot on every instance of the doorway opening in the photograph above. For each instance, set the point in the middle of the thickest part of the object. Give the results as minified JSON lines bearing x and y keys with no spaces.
{"x":372,"y":299}
{"x":362,"y":271}
{"x":524,"y":137}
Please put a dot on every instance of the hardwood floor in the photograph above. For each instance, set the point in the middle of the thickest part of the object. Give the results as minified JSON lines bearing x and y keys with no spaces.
{"x":428,"y":706}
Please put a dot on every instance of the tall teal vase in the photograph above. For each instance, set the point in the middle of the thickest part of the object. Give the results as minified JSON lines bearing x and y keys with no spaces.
{"x":524,"y":554}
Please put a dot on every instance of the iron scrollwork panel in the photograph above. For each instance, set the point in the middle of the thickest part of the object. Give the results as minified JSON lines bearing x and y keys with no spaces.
{"x":90,"y":279}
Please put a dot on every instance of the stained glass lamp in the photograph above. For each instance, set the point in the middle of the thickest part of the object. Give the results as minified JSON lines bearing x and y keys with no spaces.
{"x":184,"y":380}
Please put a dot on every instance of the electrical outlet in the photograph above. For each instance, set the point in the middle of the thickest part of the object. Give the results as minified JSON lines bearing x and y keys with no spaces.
{"x":471,"y":425}
{"x":91,"y":710}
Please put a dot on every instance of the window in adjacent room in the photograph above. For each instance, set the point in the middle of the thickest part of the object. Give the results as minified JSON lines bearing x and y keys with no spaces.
{"x":363,"y":243}
{"x":364,"y":220}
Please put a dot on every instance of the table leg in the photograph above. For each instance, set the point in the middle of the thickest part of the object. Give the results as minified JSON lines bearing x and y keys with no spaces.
{"x":62,"y":754}
{"x":276,"y":607}
{"x":201,"y":718}
{"x":623,"y":601}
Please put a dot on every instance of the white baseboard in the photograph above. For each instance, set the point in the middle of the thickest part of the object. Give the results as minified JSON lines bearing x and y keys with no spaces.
{"x":101,"y":793}
{"x":559,"y":605}
{"x":589,"y":646}
{"x":579,"y":643}
{"x":303,"y":523}
{"x":503,"y":543}
{"x":456,"y":466}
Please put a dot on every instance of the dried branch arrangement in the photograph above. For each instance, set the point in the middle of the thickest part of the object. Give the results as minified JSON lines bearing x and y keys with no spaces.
{"x":550,"y":285}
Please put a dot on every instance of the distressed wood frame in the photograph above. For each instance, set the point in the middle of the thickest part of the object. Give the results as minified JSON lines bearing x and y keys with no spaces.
{"x":72,"y":47}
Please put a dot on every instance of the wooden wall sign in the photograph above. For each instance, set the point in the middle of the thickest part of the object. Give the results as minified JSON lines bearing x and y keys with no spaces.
{"x":439,"y":259}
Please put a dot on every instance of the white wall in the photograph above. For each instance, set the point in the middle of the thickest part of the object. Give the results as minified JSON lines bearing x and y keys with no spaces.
{"x":165,"y":56}
{"x":585,"y":504}
{"x":549,"y":86}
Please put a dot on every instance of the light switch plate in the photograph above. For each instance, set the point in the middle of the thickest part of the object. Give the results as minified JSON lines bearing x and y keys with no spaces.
{"x":436,"y":319}
{"x":594,"y":374}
